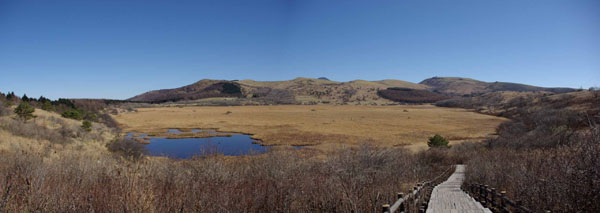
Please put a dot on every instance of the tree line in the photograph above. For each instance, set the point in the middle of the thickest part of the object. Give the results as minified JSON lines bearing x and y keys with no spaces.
{"x":85,"y":110}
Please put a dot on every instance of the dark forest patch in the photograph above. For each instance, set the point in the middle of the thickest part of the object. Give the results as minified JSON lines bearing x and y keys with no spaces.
{"x":407,"y":95}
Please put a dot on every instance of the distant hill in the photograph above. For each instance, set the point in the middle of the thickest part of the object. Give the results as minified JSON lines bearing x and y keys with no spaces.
{"x":467,"y":86}
{"x":406,"y":95}
{"x":201,"y":89}
{"x":310,"y":90}
{"x":322,"y":90}
{"x":298,"y":90}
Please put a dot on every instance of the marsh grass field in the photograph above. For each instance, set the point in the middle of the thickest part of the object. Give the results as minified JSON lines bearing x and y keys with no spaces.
{"x":324,"y":127}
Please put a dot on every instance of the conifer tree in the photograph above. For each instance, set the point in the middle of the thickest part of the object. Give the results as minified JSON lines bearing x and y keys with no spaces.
{"x":25,"y":111}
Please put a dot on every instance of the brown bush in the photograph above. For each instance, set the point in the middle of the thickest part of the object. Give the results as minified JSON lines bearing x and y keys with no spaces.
{"x":353,"y":179}
{"x":547,"y":156}
{"x":107,"y":120}
{"x":540,"y":129}
{"x":564,"y":178}
{"x":33,"y":130}
{"x":128,"y":148}
{"x":4,"y":110}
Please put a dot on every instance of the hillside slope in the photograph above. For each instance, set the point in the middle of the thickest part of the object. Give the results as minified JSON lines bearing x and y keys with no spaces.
{"x":467,"y":86}
{"x":298,"y":90}
{"x":201,"y":89}
{"x":312,"y":91}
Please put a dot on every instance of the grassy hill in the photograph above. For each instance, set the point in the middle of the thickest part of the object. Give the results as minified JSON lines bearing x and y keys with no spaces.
{"x":406,"y":95}
{"x":201,"y":89}
{"x":467,"y":86}
{"x":298,"y":90}
{"x":322,"y":90}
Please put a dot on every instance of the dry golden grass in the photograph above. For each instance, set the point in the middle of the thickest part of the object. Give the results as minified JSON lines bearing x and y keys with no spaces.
{"x":326,"y":126}
{"x":86,"y":143}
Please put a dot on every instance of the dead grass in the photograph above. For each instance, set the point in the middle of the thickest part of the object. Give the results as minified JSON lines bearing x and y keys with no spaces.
{"x":322,"y":124}
{"x":66,"y":178}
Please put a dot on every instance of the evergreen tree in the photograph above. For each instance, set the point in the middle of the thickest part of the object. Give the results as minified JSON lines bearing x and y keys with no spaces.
{"x":43,"y":99}
{"x":25,"y":98}
{"x":25,"y":111}
{"x":73,"y":113}
{"x":437,"y":141}
{"x":47,"y":105}
{"x":10,"y":96}
{"x":86,"y":125}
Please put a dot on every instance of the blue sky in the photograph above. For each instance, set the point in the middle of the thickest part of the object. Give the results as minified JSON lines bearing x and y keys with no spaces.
{"x":120,"y":48}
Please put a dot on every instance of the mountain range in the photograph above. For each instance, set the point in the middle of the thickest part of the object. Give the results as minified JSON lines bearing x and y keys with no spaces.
{"x":323,"y":90}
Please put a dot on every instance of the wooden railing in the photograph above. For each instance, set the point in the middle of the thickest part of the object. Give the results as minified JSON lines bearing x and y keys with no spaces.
{"x":416,"y":199}
{"x":492,"y":199}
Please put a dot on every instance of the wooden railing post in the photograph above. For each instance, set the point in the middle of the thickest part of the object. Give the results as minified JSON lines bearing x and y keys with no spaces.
{"x":385,"y":208}
{"x":493,"y":202}
{"x":480,"y":192}
{"x":503,"y":201}
{"x":401,"y":207}
{"x":417,"y":196}
{"x":485,"y":195}
{"x":477,"y":192}
{"x":408,"y":201}
{"x":518,"y":206}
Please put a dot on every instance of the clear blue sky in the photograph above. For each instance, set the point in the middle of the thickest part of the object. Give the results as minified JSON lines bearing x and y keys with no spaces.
{"x":120,"y":48}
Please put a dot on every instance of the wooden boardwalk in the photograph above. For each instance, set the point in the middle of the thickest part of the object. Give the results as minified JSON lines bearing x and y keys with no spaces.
{"x":448,"y":197}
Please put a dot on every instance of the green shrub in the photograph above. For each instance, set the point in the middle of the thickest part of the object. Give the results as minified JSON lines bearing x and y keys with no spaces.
{"x":73,"y":114}
{"x":47,"y":105}
{"x":437,"y":141}
{"x":25,"y":111}
{"x":86,"y":125}
{"x":90,"y":117}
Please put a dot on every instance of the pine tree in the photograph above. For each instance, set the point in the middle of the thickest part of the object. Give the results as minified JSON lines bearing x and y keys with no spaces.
{"x":25,"y":111}
{"x":43,"y":99}
{"x":437,"y":141}
{"x":47,"y":105}
{"x":10,"y":96}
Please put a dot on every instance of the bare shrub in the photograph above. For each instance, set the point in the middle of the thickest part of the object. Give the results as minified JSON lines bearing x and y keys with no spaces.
{"x":128,"y":148}
{"x":351,"y":179}
{"x":107,"y":120}
{"x":278,"y":96}
{"x":33,"y":130}
{"x":564,"y":178}
{"x":544,"y":128}
{"x":4,"y":110}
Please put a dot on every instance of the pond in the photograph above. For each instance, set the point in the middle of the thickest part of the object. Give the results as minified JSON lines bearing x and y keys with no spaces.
{"x":231,"y":144}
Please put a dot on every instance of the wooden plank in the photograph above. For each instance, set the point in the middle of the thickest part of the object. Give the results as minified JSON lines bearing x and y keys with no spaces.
{"x":448,"y":197}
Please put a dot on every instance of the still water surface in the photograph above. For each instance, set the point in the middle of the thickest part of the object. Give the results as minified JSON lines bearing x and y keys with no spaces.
{"x":182,"y":148}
